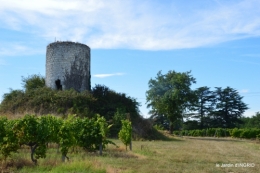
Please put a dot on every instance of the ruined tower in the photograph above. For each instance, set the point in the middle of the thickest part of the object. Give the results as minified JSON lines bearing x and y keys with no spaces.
{"x":68,"y":66}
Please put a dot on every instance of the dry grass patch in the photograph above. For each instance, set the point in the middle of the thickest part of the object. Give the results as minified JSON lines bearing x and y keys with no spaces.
{"x":187,"y":155}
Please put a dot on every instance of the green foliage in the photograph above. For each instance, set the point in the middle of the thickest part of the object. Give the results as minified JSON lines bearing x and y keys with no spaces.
{"x":119,"y":115}
{"x":12,"y":101}
{"x":114,"y":107}
{"x":88,"y":133}
{"x":37,"y":132}
{"x":104,"y":130}
{"x":66,"y":135}
{"x":125,"y":134}
{"x":170,"y":95}
{"x":45,"y":100}
{"x":33,"y":82}
{"x":172,"y":100}
{"x":109,"y":101}
{"x":3,"y":121}
{"x":191,"y":124}
{"x":251,"y":122}
{"x":250,"y":133}
{"x":222,"y":132}
{"x":8,"y":141}
{"x":245,"y":133}
{"x":158,"y":127}
{"x":229,"y":107}
{"x":220,"y":108}
{"x":203,"y":106}
{"x":51,"y":124}
{"x":160,"y":120}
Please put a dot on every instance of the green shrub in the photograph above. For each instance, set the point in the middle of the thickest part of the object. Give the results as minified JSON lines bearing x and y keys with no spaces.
{"x":125,"y":134}
{"x":158,"y":127}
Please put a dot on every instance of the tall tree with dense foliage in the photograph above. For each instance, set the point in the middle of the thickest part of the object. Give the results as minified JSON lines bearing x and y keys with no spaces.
{"x":170,"y":95}
{"x":229,"y":107}
{"x":204,"y":105}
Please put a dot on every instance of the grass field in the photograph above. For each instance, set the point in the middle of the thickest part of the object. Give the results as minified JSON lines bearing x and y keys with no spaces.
{"x":190,"y":155}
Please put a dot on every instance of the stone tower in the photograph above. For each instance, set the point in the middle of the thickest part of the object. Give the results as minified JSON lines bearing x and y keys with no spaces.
{"x":68,"y":66}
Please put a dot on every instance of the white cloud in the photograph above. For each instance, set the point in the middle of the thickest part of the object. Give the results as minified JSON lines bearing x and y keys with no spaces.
{"x":107,"y":75}
{"x":147,"y":25}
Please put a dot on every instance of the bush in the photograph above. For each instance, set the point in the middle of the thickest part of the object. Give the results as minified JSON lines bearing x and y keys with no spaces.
{"x":33,"y":82}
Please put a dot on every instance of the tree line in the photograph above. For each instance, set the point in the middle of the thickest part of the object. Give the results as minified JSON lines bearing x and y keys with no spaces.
{"x":175,"y":105}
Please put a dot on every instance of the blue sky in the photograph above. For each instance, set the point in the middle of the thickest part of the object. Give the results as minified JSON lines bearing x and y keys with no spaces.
{"x":130,"y":41}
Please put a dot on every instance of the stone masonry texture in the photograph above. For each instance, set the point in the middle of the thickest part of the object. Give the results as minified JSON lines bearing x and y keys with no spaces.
{"x":68,"y":66}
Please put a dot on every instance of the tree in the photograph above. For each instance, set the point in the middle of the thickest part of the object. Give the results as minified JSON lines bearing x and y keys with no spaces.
{"x":229,"y":107}
{"x":108,"y":101}
{"x":204,"y":105}
{"x":33,"y":82}
{"x":114,"y":106}
{"x":171,"y":95}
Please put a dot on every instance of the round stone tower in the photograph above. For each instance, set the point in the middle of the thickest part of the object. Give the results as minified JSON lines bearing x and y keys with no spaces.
{"x":68,"y":66}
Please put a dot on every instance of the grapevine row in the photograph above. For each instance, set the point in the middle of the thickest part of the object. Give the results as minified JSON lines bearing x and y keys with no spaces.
{"x":221,"y":132}
{"x":37,"y":132}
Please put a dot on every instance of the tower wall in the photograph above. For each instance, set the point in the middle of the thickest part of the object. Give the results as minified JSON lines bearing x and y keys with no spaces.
{"x":68,"y":66}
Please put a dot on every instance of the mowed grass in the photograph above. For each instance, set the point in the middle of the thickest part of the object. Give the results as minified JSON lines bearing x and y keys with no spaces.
{"x":190,"y":155}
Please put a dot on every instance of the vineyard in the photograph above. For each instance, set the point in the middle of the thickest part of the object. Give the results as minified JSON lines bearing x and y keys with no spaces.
{"x":79,"y":142}
{"x":37,"y":132}
{"x":252,"y":133}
